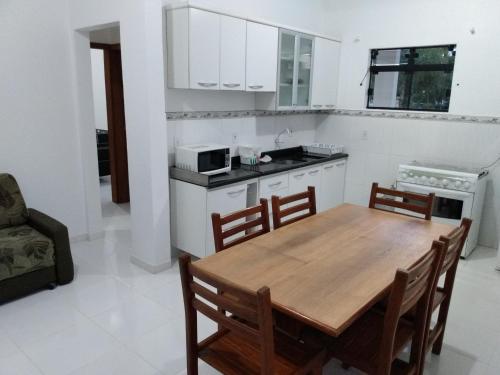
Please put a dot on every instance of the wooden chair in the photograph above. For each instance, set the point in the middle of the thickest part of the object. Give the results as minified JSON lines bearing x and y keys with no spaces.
{"x":279,"y":213}
{"x":238,"y":348}
{"x":412,"y":202}
{"x":373,"y":343}
{"x":454,"y":243}
{"x":248,"y":227}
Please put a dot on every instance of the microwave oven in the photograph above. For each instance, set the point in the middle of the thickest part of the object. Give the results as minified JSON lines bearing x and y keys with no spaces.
{"x":207,"y":159}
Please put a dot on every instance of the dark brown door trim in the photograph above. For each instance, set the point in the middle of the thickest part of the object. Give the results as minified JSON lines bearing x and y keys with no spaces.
{"x":116,"y":125}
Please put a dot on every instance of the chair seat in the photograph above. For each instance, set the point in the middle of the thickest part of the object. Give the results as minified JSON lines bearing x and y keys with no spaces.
{"x":23,"y":249}
{"x":233,"y":355}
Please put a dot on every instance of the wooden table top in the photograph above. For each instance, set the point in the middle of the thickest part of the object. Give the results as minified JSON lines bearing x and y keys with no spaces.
{"x":328,"y":269}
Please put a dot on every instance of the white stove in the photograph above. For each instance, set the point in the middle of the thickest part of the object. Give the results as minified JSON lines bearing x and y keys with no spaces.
{"x":459,"y":193}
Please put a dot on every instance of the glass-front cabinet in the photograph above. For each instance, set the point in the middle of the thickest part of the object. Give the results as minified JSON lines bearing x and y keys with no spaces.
{"x":295,"y":68}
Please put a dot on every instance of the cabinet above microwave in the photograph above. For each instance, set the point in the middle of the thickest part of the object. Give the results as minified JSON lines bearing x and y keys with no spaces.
{"x":207,"y":50}
{"x":211,"y":51}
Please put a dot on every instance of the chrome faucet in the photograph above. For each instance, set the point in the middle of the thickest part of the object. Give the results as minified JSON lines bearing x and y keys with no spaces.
{"x":277,"y":140}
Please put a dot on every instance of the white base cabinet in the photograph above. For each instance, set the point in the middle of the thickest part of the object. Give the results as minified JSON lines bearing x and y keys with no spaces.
{"x":332,"y":185}
{"x":191,"y":210}
{"x":192,"y":205}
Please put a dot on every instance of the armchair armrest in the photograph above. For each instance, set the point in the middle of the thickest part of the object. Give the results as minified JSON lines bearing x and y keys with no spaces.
{"x":58,"y":232}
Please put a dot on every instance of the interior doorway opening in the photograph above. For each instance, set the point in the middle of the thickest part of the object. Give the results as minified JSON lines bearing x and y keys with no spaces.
{"x":109,"y":112}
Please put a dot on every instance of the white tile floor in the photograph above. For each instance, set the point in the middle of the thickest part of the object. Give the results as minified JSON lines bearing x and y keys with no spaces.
{"x":118,"y":319}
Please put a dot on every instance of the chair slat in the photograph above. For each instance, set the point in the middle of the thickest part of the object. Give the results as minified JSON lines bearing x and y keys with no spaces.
{"x":225,"y":303}
{"x":408,"y":197}
{"x":279,"y":214}
{"x":243,"y":227}
{"x":220,"y":234}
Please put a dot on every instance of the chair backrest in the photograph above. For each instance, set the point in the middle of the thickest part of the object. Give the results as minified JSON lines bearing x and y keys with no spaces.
{"x":246,"y":230}
{"x":309,"y":206}
{"x":13,"y":209}
{"x":412,"y":202}
{"x":412,"y":290}
{"x":454,"y":244}
{"x":254,"y":308}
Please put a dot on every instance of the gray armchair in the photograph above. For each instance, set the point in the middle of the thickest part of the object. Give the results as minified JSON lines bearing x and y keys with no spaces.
{"x":34,"y":248}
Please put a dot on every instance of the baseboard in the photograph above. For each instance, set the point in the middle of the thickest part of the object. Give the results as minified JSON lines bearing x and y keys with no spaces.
{"x":149,"y":267}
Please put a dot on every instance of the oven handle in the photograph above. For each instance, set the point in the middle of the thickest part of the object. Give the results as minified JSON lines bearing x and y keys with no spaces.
{"x":452,"y":194}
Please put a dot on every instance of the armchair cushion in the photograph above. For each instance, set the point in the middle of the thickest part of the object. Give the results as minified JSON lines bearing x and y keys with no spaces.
{"x":13,"y":209}
{"x":23,"y":249}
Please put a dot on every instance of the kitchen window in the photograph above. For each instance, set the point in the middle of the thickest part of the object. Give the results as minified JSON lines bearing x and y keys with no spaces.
{"x":411,"y":78}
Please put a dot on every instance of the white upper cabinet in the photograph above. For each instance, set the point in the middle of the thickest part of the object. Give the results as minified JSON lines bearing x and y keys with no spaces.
{"x":204,"y":49}
{"x":262,"y":57}
{"x":325,"y":74}
{"x":211,"y":51}
{"x":233,"y":34}
{"x":295,"y":64}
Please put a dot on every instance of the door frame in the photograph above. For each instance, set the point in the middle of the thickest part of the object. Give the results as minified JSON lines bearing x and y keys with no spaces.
{"x":117,"y":135}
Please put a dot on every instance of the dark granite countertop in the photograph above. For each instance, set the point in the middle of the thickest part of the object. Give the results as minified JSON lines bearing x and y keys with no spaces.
{"x":283,"y":160}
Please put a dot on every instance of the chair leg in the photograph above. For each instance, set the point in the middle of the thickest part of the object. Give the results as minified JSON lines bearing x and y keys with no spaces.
{"x":438,"y":344}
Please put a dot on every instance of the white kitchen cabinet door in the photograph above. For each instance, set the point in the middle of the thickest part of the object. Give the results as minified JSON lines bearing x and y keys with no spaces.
{"x":332,"y":185}
{"x":325,"y":74}
{"x":262,"y":57}
{"x":223,"y":201}
{"x":301,"y":179}
{"x":204,"y":49}
{"x":233,"y":34}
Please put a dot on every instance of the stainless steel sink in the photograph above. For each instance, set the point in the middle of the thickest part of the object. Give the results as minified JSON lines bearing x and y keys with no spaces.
{"x":289,"y":161}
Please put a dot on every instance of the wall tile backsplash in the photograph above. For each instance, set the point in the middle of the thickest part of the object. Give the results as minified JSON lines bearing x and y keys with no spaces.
{"x":235,"y":114}
{"x":339,"y":112}
{"x":377,"y":145}
{"x":260,"y":131}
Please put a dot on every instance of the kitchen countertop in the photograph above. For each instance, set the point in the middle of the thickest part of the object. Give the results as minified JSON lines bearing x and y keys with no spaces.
{"x":283,"y":160}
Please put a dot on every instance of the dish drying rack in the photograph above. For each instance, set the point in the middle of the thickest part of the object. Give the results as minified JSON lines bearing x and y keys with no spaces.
{"x":323,"y":148}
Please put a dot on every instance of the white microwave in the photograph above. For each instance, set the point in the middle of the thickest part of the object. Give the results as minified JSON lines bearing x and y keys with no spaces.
{"x":207,"y":159}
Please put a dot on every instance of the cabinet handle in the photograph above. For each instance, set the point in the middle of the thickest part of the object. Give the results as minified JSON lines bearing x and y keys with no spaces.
{"x":207,"y":84}
{"x":329,"y":166}
{"x":255,"y":87}
{"x":275,"y":184}
{"x":236,"y":192}
{"x":340,"y":164}
{"x":231,"y":85}
{"x":314,"y":172}
{"x":330,"y":106}
{"x":299,"y":175}
{"x":317,"y":106}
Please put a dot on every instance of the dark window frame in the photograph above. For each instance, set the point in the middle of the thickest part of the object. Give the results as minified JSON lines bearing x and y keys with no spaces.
{"x":410,"y":67}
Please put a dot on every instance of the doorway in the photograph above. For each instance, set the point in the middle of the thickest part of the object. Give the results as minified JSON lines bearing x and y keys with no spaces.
{"x":111,"y":135}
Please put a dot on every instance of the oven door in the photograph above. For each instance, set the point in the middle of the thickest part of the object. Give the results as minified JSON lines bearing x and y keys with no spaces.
{"x":450,"y":206}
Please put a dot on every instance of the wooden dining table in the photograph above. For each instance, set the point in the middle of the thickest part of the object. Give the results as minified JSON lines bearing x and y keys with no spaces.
{"x":330,"y":268}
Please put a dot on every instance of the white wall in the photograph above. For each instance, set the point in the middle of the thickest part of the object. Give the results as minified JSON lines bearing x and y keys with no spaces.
{"x":142,"y":34}
{"x":99,"y":89}
{"x":390,"y":23}
{"x":395,"y":23}
{"x":39,"y":136}
{"x":390,"y":142}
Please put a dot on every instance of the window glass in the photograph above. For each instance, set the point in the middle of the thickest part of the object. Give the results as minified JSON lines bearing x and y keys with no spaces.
{"x":412,"y":78}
